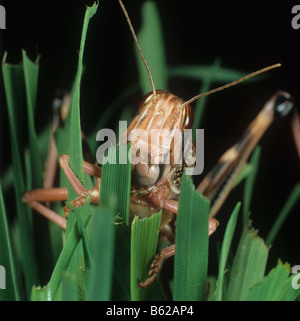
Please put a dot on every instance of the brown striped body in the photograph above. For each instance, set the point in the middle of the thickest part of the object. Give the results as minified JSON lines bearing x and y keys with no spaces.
{"x":156,"y":165}
{"x":162,"y":118}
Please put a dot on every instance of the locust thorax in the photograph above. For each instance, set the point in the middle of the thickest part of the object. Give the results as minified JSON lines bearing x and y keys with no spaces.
{"x":156,"y":136}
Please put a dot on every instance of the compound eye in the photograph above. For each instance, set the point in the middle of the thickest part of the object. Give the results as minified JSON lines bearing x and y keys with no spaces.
{"x":283,"y":104}
{"x":146,"y":175}
{"x":188,"y":117}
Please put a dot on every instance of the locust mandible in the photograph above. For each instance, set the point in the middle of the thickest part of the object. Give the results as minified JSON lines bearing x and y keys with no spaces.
{"x":156,"y":185}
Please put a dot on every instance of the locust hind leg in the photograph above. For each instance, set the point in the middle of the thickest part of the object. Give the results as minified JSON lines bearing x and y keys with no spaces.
{"x":35,"y":197}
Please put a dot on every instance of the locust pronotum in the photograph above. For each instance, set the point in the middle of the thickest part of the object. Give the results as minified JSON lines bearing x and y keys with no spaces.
{"x":156,"y":186}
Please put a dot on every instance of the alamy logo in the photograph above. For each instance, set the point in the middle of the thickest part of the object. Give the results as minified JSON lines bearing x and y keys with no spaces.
{"x":2,"y":278}
{"x":2,"y":18}
{"x":156,"y":146}
{"x":295,"y":279}
{"x":296,"y":19}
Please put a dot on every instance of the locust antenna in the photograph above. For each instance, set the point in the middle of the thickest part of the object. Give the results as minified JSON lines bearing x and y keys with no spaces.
{"x":253,"y":74}
{"x":138,"y":45}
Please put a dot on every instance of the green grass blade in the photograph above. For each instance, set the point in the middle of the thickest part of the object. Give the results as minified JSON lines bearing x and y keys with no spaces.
{"x":76,"y":156}
{"x":14,"y":88}
{"x":201,"y":72}
{"x":276,"y":286}
{"x":13,"y":80}
{"x":125,"y":115}
{"x":62,"y":145}
{"x":152,"y":44}
{"x":289,"y":204}
{"x":73,"y":239}
{"x":116,"y":180}
{"x":81,"y":259}
{"x":245,"y":172}
{"x":191,"y":257}
{"x":144,"y":237}
{"x":43,"y":250}
{"x":11,"y":293}
{"x":61,"y":137}
{"x":207,"y":82}
{"x":249,"y":183}
{"x":7,"y":178}
{"x":39,"y":293}
{"x":212,"y":281}
{"x":248,"y":265}
{"x":289,"y":293}
{"x":75,"y":143}
{"x":226,"y":244}
{"x":31,"y":71}
{"x":103,"y":237}
{"x":121,"y":280}
{"x":76,"y":216}
{"x":70,"y":284}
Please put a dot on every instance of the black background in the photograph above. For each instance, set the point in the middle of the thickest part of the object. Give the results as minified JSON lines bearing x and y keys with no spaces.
{"x":246,"y":35}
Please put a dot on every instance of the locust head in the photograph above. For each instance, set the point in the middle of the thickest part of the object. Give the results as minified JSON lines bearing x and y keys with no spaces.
{"x":156,"y":136}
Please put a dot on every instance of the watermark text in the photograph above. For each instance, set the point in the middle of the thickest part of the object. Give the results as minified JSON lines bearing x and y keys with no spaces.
{"x":155,"y":147}
{"x":2,"y":278}
{"x":296,"y":18}
{"x":2,"y":18}
{"x":296,"y":278}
